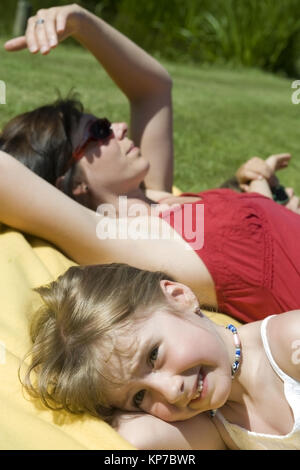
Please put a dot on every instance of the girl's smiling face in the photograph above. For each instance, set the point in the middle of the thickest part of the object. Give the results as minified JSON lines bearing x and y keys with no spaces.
{"x":162,"y":366}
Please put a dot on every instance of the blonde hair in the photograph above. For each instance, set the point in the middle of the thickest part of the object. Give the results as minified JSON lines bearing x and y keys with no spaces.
{"x":81,"y":309}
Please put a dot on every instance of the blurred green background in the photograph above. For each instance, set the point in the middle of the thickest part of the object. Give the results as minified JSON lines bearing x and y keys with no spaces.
{"x":232,"y":64}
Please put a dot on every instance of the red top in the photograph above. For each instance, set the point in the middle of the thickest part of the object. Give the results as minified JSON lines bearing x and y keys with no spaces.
{"x":252,"y":250}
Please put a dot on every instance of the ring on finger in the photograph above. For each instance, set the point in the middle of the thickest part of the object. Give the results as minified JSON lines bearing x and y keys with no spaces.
{"x":40,"y":21}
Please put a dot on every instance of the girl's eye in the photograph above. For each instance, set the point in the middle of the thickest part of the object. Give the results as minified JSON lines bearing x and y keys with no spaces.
{"x":138,"y":398}
{"x":153,"y":355}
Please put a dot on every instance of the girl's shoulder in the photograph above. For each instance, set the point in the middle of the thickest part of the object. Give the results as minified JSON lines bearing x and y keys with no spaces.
{"x":283,"y":333}
{"x":145,"y":431}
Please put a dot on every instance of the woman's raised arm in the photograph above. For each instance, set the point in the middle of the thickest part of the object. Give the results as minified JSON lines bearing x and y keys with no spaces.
{"x":146,"y":84}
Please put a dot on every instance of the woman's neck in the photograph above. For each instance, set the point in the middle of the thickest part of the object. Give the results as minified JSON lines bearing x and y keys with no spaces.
{"x":137,"y":197}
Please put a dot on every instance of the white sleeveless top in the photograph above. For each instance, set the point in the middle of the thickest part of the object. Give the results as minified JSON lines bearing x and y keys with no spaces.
{"x":249,"y":440}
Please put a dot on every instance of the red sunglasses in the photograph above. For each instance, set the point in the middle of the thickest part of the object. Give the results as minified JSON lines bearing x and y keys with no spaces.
{"x":100,"y":129}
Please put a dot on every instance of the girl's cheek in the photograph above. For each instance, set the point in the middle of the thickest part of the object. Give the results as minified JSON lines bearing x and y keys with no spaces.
{"x":165,"y":412}
{"x":158,"y":409}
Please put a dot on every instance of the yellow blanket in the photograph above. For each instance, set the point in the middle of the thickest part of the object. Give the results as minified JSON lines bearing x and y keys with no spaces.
{"x":27,"y":262}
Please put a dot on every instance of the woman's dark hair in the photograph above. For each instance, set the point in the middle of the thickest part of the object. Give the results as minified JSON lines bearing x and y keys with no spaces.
{"x":41,"y":139}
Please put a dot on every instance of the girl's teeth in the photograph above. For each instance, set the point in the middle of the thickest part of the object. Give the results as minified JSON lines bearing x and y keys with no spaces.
{"x":200,"y":387}
{"x":200,"y":384}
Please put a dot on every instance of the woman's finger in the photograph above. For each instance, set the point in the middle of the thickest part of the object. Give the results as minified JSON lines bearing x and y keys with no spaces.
{"x":61,"y":22}
{"x":51,"y":28}
{"x":42,"y":39}
{"x":15,"y":44}
{"x":40,"y":31}
{"x":31,"y":40}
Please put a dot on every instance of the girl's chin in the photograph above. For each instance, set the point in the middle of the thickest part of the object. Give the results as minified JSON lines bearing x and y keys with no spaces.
{"x":213,"y":395}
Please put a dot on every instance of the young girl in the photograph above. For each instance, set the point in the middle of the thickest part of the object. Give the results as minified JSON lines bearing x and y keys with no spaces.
{"x":134,"y":348}
{"x":248,"y":265}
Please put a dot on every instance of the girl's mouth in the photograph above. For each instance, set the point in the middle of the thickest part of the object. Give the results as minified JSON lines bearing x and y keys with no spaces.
{"x":202,"y":388}
{"x":199,"y":386}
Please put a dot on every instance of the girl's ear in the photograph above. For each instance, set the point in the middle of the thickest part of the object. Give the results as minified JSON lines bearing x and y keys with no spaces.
{"x":178,"y":293}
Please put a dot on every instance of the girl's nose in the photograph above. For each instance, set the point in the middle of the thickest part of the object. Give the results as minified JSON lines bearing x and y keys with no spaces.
{"x":171,"y":387}
{"x":120,"y":129}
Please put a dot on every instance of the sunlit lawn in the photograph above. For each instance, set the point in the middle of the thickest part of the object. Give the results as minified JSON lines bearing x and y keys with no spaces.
{"x":221,"y":117}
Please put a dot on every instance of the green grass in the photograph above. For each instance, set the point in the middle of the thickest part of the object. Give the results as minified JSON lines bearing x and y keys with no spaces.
{"x":221,"y":117}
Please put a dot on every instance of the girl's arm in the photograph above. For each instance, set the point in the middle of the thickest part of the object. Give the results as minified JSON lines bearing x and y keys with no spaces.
{"x":146,"y":84}
{"x":148,"y":432}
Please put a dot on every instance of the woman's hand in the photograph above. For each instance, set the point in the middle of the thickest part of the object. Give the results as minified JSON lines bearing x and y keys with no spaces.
{"x":47,"y":28}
